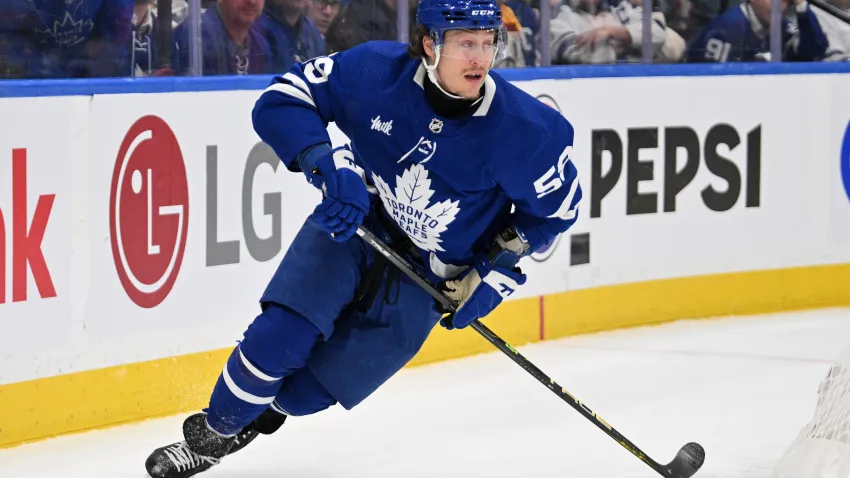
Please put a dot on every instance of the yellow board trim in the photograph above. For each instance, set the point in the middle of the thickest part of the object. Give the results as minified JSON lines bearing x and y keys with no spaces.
{"x":58,"y":405}
{"x":655,"y":302}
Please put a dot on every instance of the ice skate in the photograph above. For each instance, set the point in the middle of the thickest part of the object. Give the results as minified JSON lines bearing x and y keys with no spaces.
{"x":201,"y":450}
{"x":178,"y":460}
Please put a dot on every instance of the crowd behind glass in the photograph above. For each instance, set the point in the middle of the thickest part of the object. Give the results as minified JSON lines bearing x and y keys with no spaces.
{"x":121,"y":38}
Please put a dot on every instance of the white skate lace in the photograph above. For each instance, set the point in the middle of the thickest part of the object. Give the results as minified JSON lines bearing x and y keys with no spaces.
{"x":185,"y":459}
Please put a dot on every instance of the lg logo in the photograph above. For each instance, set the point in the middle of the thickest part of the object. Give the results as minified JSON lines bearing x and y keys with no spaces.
{"x":148,"y":211}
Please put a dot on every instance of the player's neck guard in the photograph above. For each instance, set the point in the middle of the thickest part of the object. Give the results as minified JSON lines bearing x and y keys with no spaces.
{"x":446,"y":106}
{"x":432,"y":74}
{"x":483,"y":103}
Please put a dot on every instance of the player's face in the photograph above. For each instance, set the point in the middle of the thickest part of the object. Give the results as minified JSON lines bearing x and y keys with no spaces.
{"x":241,"y":12}
{"x":465,"y":58}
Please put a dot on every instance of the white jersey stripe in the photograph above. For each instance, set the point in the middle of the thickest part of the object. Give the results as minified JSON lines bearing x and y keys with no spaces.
{"x":292,"y":91}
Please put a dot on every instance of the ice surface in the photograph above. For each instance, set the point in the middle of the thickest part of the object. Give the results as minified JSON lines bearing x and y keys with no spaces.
{"x":742,"y":387}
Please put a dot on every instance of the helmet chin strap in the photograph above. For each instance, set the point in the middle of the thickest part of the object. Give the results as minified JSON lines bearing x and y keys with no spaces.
{"x":432,"y":74}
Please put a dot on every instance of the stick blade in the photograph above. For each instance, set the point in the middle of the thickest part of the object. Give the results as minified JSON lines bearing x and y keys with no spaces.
{"x":688,"y":461}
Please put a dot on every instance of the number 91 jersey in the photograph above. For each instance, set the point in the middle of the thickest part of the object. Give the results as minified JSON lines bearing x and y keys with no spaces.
{"x":450,"y":184}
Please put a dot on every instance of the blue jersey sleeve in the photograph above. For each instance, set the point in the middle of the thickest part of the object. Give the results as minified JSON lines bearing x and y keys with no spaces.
{"x":545,"y":189}
{"x":812,"y":42}
{"x":293,"y":113}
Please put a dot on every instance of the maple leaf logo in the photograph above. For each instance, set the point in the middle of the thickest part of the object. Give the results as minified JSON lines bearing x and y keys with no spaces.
{"x":409,"y":205}
{"x":68,"y":33}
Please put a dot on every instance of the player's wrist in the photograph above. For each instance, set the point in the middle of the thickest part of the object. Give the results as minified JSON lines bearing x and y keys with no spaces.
{"x":508,"y":248}
{"x":309,"y":158}
{"x":314,"y":161}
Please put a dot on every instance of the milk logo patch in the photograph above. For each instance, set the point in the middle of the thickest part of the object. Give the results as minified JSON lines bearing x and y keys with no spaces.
{"x":382,"y":126}
{"x":410,"y":206}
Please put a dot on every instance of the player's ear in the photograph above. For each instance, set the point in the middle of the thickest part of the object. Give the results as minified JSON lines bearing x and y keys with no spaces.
{"x":428,"y":46}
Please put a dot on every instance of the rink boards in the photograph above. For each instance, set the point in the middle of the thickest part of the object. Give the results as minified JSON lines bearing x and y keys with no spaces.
{"x":139,"y":225}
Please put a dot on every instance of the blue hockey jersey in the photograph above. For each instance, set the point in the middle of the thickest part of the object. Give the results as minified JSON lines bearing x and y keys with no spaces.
{"x":449,"y":184}
{"x":66,"y":38}
{"x":738,"y":35}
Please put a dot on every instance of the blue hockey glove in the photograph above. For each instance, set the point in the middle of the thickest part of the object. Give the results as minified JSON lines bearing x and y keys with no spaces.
{"x":346,"y":200}
{"x":492,"y":278}
{"x":480,"y":291}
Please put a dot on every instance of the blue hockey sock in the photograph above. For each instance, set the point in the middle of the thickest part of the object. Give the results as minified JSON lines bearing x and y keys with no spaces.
{"x":276,"y":344}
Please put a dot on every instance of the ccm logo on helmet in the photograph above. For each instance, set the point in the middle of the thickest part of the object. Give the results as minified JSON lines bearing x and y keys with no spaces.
{"x":485,"y":13}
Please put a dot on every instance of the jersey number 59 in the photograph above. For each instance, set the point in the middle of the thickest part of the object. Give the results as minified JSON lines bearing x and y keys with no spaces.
{"x":553,"y":178}
{"x":318,"y":69}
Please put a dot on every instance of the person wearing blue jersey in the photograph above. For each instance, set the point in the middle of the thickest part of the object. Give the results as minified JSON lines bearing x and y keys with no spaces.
{"x":742,"y":34}
{"x":65,"y":38}
{"x":458,"y":170}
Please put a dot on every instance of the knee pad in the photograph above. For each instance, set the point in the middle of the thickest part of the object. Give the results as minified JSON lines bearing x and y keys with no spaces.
{"x":279,"y":341}
{"x":301,"y":394}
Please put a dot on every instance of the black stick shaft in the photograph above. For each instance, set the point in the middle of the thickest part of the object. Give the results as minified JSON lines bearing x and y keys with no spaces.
{"x":511,"y":352}
{"x":832,"y":10}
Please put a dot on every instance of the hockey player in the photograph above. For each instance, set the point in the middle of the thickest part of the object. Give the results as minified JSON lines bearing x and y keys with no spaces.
{"x":742,"y":33}
{"x":458,"y":170}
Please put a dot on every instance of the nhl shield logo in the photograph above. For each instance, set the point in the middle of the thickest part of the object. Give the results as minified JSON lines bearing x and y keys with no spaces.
{"x":436,"y":126}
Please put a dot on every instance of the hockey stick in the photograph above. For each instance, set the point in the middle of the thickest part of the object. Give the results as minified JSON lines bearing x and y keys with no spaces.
{"x":687,"y":461}
{"x":832,"y":10}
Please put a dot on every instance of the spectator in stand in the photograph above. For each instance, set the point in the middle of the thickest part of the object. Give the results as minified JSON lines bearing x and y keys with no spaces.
{"x":292,"y":36}
{"x":589,"y":32}
{"x":366,"y":20}
{"x":231,"y":42}
{"x":145,"y":25}
{"x":568,"y":23}
{"x":836,"y":31}
{"x":179,"y":10}
{"x":529,"y":21}
{"x":65,"y":38}
{"x":742,"y":34}
{"x":704,"y":11}
{"x":515,"y":54}
{"x":322,"y":13}
{"x":144,"y":38}
{"x":515,"y":51}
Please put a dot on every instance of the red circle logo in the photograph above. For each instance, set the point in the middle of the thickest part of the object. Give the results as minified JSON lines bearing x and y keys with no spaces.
{"x":149,"y":211}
